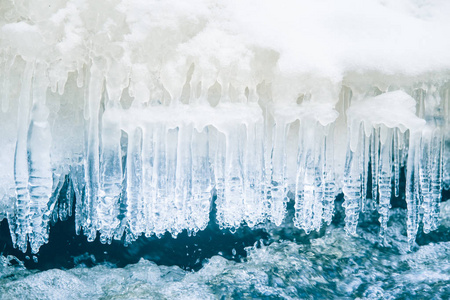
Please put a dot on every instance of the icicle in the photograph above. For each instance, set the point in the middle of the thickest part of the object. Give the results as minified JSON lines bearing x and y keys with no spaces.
{"x":219,"y":177}
{"x":183,"y":189}
{"x":21,"y":161}
{"x":40,"y":181}
{"x":135,"y":205}
{"x":412,"y":192}
{"x":431,"y":184}
{"x":384,"y":178}
{"x":363,"y":167}
{"x":110,"y":177}
{"x":200,"y":204}
{"x":268,"y":144}
{"x":255,"y":206}
{"x":159,"y":181}
{"x":352,"y":186}
{"x":374,"y":156}
{"x":92,"y":153}
{"x":396,"y":149}
{"x":172,"y":206}
{"x":317,"y":172}
{"x":167,"y":182}
{"x":230,"y":213}
{"x":425,"y":176}
{"x":436,"y":178}
{"x":121,"y":229}
{"x":329,"y":185}
{"x":148,"y":176}
{"x":300,"y":209}
{"x":309,"y":184}
{"x":278,"y":183}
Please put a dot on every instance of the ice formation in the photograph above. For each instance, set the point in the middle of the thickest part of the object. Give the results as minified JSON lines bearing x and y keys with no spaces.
{"x":138,"y":111}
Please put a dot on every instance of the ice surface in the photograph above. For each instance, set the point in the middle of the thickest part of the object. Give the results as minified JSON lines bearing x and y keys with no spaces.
{"x":140,"y":111}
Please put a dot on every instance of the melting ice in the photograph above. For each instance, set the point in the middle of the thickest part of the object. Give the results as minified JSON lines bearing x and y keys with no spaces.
{"x":138,"y":112}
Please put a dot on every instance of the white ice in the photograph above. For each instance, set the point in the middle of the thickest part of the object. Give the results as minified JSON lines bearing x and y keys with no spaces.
{"x":139,"y":111}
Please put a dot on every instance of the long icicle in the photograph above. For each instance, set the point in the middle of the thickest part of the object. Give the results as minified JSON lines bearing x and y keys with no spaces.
{"x":110,"y":177}
{"x":384,"y":179}
{"x":328,"y":177}
{"x":412,"y":193}
{"x":184,"y":183}
{"x":352,"y":186}
{"x":22,"y":221}
{"x":148,"y":173}
{"x":92,"y":154}
{"x":135,"y":205}
{"x":278,"y":182}
{"x":200,"y":204}
{"x":40,"y":181}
